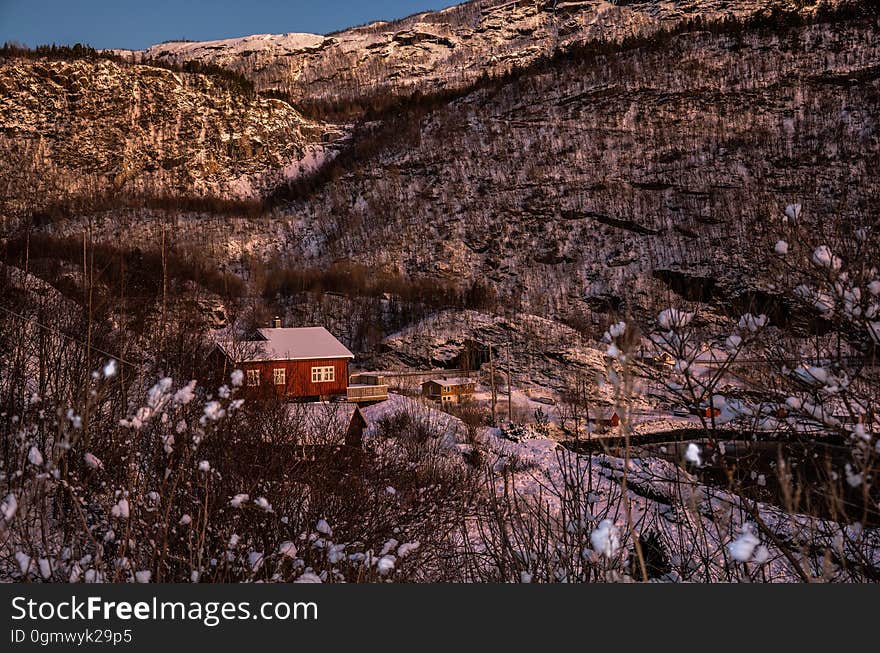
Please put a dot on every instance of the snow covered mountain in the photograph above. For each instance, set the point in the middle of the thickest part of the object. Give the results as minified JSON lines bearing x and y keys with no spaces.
{"x":147,"y":129}
{"x":600,"y":177}
{"x":609,"y":179}
{"x":632,"y":219}
{"x":442,"y":49}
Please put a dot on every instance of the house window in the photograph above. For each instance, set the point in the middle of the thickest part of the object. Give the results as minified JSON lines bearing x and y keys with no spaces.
{"x":279,"y":376}
{"x":253,"y":377}
{"x":323,"y":374}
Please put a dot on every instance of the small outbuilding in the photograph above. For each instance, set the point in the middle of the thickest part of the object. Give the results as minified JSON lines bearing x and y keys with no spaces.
{"x":603,"y":419}
{"x":447,"y":391}
{"x":326,"y":424}
{"x":321,"y":440}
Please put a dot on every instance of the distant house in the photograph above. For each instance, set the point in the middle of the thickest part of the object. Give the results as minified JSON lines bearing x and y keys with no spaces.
{"x":603,"y":419}
{"x":300,"y":364}
{"x":447,"y":391}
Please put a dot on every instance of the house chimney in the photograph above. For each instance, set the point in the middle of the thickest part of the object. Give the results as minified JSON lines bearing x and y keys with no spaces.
{"x":276,"y":322}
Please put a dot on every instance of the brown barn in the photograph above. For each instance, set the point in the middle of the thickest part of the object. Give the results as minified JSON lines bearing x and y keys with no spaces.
{"x":449,"y":390}
{"x":323,"y":443}
{"x":297,"y":364}
{"x":327,"y":424}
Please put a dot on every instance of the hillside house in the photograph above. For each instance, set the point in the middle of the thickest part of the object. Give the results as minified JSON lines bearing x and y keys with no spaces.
{"x":300,"y":364}
{"x":602,"y":420}
{"x":446,"y":391}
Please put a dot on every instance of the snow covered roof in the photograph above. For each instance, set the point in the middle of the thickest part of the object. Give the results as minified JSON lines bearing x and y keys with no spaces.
{"x":289,"y":344}
{"x":452,"y":382}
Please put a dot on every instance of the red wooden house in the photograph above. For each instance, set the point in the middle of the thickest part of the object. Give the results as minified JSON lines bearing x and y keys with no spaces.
{"x":296,"y":364}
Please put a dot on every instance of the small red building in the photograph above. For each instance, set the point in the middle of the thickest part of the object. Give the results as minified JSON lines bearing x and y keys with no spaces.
{"x":297,"y":364}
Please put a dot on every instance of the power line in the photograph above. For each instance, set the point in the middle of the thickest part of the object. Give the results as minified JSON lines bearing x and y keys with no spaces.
{"x":64,"y":335}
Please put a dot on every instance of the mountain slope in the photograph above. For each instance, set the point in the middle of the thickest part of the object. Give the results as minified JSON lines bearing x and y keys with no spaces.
{"x":442,"y":49}
{"x":97,"y":126}
{"x":617,"y":174}
{"x":597,"y":180}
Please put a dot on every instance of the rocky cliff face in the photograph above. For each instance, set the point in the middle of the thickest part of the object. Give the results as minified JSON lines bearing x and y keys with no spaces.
{"x":105,"y":126}
{"x":591,"y":178}
{"x":441,"y":49}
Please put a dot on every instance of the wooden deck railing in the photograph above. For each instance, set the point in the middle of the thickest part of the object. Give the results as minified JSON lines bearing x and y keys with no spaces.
{"x":367,"y":392}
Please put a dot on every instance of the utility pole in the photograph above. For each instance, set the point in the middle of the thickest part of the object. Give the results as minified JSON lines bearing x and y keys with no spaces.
{"x":509,"y":388}
{"x":164,"y":286}
{"x":88,"y":283}
{"x":27,"y":250}
{"x":492,"y":382}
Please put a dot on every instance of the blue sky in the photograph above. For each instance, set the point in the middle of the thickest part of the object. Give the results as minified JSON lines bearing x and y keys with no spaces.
{"x":139,"y":23}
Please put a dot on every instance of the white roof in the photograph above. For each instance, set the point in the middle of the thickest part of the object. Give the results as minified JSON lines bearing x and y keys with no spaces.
{"x":288,"y":344}
{"x":453,"y":382}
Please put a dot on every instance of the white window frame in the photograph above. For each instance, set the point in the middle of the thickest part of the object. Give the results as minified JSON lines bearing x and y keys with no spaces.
{"x":253,"y":378}
{"x":279,"y":376}
{"x":323,"y":374}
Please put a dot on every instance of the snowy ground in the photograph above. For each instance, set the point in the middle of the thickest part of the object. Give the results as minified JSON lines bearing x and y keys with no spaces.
{"x":659,"y":496}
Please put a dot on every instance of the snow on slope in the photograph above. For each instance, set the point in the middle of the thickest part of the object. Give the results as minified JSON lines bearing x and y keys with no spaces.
{"x":660,"y":495}
{"x":279,"y":43}
{"x":538,"y":347}
{"x":438,"y":49}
